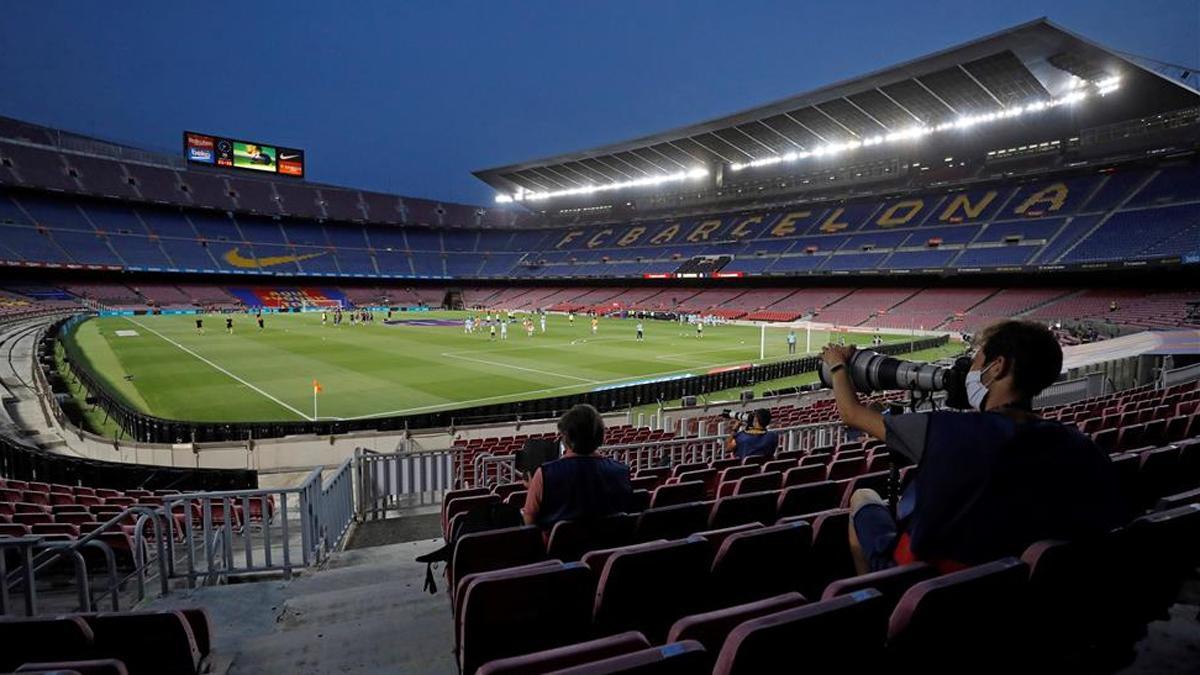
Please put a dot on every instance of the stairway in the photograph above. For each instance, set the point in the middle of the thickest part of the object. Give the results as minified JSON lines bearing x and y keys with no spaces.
{"x":363,"y":611}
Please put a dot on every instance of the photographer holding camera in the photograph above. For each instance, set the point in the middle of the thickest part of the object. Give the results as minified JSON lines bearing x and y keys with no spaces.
{"x":754,"y":439}
{"x":989,"y":481}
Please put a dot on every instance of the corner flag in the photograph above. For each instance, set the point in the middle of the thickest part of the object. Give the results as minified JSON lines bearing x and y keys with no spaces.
{"x":317,"y":388}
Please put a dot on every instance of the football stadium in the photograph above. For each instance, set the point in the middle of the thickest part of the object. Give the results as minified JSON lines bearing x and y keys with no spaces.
{"x":902,"y":371}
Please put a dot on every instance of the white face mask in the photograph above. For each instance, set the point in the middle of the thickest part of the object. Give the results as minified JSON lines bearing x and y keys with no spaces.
{"x":977,"y":391}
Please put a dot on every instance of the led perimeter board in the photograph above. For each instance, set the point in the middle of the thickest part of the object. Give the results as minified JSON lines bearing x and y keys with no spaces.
{"x":236,"y":154}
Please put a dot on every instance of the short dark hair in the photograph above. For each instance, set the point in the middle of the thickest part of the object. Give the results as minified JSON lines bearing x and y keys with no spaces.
{"x":764,"y":417}
{"x":582,"y":429}
{"x":1032,"y":349}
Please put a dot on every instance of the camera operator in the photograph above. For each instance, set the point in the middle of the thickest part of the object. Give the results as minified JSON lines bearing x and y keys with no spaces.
{"x":989,"y":482}
{"x":579,"y":485}
{"x":755,"y":439}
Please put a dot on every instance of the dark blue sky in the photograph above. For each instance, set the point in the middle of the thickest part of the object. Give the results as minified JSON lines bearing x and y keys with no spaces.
{"x":410,"y":97}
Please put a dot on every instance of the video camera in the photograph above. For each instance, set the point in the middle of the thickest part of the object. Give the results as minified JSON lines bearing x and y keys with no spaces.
{"x":871,"y":371}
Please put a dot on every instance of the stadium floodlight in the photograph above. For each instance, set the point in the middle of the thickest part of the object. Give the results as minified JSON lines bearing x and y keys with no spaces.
{"x":1077,"y":91}
{"x":522,"y":194}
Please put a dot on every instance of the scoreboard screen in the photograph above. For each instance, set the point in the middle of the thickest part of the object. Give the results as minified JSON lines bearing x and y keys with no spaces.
{"x":248,"y":155}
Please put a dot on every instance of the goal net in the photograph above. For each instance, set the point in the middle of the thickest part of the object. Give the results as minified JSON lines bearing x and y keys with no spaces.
{"x":775,"y":339}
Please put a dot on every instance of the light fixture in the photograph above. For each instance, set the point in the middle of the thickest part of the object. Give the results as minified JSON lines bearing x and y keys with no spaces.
{"x":522,"y":194}
{"x":1077,"y":92}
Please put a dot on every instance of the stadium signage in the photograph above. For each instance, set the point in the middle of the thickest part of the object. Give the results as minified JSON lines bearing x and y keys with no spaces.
{"x":231,"y":153}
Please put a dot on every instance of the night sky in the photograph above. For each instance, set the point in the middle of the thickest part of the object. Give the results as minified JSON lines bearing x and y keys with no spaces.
{"x":410,"y":97}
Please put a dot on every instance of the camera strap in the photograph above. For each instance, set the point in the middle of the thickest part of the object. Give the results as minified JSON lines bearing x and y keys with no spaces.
{"x":893,"y":489}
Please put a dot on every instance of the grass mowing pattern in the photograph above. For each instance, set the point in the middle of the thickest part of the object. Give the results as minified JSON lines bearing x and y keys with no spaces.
{"x":169,"y":370}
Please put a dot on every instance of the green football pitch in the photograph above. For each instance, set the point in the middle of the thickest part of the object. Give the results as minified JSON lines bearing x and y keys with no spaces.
{"x":163,"y":366}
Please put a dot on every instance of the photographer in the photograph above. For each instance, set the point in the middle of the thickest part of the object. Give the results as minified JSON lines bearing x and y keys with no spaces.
{"x":988,"y":482}
{"x":579,"y":485}
{"x":755,"y":439}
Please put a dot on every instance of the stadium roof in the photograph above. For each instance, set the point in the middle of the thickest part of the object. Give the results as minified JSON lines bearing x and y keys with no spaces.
{"x":1032,"y":62}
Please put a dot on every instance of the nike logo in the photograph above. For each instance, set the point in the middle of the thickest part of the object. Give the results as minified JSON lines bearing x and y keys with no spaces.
{"x":289,"y":156}
{"x":238,"y":260}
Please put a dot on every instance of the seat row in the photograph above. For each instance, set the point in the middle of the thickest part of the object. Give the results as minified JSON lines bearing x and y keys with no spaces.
{"x":734,"y":608}
{"x":139,"y":643}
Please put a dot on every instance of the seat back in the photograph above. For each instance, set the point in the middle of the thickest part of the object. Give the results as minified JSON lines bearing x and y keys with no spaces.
{"x":757,"y":507}
{"x":463,"y":505}
{"x":678,"y":493}
{"x":672,"y":522}
{"x":803,"y":475}
{"x":845,"y":634}
{"x":891,"y":583}
{"x":648,"y":587}
{"x":761,"y":482}
{"x":830,"y":558}
{"x":799,"y":500}
{"x":680,"y":658}
{"x":569,"y":540}
{"x":44,"y":639}
{"x":164,"y":641}
{"x":566,"y":657}
{"x":504,"y":614}
{"x":760,"y":563}
{"x":780,"y":465}
{"x":495,"y":549}
{"x":711,"y":628}
{"x":707,"y":476}
{"x":973,"y":616}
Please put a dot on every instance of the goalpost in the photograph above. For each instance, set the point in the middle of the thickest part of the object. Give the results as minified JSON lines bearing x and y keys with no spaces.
{"x":773,"y":339}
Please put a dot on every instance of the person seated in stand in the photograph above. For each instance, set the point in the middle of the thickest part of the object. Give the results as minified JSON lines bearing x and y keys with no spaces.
{"x":580,"y":485}
{"x":755,"y":439}
{"x":990,"y":482}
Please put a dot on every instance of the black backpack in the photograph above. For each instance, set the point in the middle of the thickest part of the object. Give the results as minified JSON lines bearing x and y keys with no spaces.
{"x":480,"y":519}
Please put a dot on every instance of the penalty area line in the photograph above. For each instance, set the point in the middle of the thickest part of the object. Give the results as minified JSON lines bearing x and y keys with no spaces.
{"x":220,"y":369}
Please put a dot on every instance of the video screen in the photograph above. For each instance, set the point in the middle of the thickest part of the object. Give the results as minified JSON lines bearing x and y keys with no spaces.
{"x":251,"y":156}
{"x":254,"y":156}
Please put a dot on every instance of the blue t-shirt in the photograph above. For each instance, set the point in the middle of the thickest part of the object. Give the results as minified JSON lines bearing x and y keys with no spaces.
{"x":750,"y":444}
{"x":987,"y":486}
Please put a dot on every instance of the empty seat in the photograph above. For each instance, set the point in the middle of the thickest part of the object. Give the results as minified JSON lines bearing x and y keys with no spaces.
{"x":803,"y":475}
{"x":504,"y":614}
{"x":672,"y":522}
{"x":972,"y":616}
{"x":506,"y":489}
{"x":730,"y":477}
{"x":711,"y":628}
{"x":639,"y":501}
{"x":722,"y":464}
{"x":453,"y":495}
{"x":845,"y":634}
{"x":1165,"y":548}
{"x":830,"y":558}
{"x":87,"y":667}
{"x":565,"y":657}
{"x":495,"y":549}
{"x":679,"y":493}
{"x":801,"y":500}
{"x":644,"y":482}
{"x":757,"y":507}
{"x":780,"y":465}
{"x":679,"y":658}
{"x":44,"y":639}
{"x":758,"y":483}
{"x":649,"y":587}
{"x":659,"y":472}
{"x":760,"y":563}
{"x":707,"y":476}
{"x":680,"y":469}
{"x":569,"y":540}
{"x":846,"y":468}
{"x":165,"y":642}
{"x":1158,"y":475}
{"x":892,"y":583}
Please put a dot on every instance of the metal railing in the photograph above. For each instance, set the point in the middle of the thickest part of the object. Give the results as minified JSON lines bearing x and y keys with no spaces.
{"x":498,"y":469}
{"x":1183,"y":375}
{"x":387,"y":481}
{"x":273,"y":530}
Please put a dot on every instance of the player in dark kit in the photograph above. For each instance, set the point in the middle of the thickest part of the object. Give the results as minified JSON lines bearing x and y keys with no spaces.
{"x":260,"y":322}
{"x":199,"y":326}
{"x":229,"y":325}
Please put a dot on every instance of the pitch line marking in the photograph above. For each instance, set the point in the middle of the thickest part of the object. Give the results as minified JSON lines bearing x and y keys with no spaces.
{"x":459,"y":355}
{"x":219,"y":368}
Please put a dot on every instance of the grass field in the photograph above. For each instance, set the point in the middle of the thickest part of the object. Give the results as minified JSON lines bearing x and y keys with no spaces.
{"x":160,"y":365}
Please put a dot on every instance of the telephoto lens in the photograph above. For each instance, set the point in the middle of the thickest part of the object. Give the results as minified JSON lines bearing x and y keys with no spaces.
{"x":871,"y":371}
